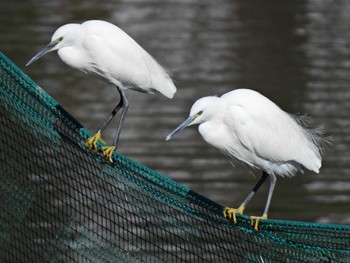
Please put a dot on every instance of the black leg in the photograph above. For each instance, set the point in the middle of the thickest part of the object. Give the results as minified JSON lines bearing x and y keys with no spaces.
{"x":231,"y":212}
{"x":112,"y":114}
{"x":255,"y":189}
{"x":254,"y":220}
{"x":125,"y":106}
{"x":271,"y":189}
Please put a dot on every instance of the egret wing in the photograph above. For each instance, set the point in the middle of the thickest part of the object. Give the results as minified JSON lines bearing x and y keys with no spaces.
{"x":268,"y":133}
{"x":123,"y":60}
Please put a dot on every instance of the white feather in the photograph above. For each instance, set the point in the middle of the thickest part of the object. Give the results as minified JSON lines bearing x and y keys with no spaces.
{"x":104,"y":50}
{"x":249,"y":127}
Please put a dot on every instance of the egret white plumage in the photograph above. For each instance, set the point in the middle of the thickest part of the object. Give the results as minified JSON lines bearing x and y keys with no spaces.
{"x":104,"y":50}
{"x":248,"y":127}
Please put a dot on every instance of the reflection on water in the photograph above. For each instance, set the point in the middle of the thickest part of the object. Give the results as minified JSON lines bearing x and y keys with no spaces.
{"x":296,"y":53}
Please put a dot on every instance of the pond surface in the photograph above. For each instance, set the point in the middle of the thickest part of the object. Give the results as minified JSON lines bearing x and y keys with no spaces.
{"x":297,"y":53}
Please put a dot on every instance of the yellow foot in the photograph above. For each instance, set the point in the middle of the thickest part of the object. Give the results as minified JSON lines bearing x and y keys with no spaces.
{"x":108,"y":152}
{"x":254,"y":221}
{"x":230,"y":213}
{"x":91,"y":142}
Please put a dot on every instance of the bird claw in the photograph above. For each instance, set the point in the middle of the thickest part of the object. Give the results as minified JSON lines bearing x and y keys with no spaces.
{"x":254,"y":221}
{"x":108,"y":152}
{"x":230,"y":213}
{"x":91,"y":142}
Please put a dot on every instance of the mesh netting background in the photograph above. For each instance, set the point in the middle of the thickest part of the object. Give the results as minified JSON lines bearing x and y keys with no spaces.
{"x":61,"y":203}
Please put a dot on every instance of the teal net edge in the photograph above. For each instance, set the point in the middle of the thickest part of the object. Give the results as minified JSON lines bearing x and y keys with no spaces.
{"x":71,"y":205}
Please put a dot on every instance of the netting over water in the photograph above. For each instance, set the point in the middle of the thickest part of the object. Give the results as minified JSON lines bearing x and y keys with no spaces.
{"x":61,"y":203}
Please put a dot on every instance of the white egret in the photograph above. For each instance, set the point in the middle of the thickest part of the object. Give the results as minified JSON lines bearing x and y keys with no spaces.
{"x":104,"y":50}
{"x":248,"y":127}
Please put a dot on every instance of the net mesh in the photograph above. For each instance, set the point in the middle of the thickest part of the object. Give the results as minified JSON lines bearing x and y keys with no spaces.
{"x":62,"y":203}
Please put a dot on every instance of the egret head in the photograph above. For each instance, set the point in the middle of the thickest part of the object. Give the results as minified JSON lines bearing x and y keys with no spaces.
{"x":202,"y":110}
{"x":64,"y":36}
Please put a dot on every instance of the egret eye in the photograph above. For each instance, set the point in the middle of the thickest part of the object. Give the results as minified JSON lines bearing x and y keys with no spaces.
{"x":59,"y":39}
{"x":199,"y":113}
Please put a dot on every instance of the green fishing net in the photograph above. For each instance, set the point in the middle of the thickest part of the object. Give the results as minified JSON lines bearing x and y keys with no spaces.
{"x":62,"y":203}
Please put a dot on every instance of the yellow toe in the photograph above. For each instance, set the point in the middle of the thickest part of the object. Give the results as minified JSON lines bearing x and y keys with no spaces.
{"x":91,"y":142}
{"x":108,"y":152}
{"x":254,"y":221}
{"x":230,"y":213}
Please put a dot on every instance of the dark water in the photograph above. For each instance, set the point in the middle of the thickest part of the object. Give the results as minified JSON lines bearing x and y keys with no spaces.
{"x":297,"y":53}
